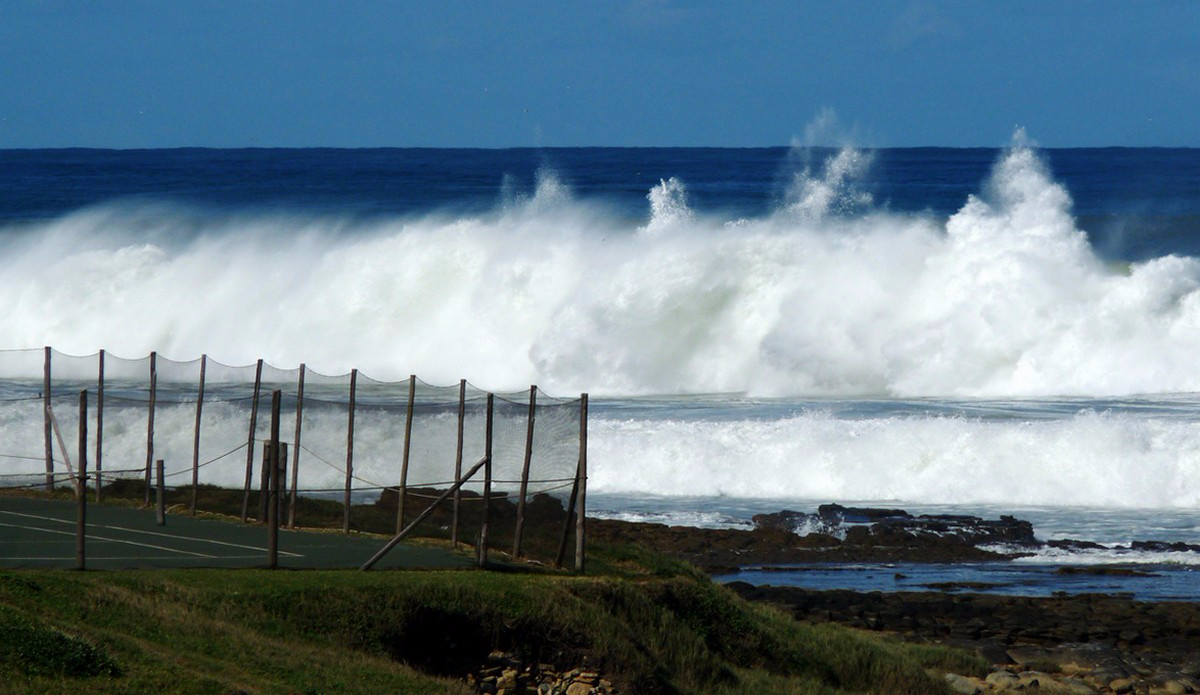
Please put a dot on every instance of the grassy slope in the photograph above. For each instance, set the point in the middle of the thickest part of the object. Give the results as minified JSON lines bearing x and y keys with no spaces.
{"x":648,"y":624}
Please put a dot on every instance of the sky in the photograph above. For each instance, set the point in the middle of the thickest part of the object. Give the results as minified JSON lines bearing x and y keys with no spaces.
{"x":365,"y":73}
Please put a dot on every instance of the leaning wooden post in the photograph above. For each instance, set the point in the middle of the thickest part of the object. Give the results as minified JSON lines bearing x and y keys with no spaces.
{"x":250,"y":440}
{"x":273,"y":507}
{"x":196,"y":437}
{"x":581,"y":507}
{"x":349,"y":454}
{"x":296,"y":451}
{"x":462,"y":407}
{"x":162,"y":493}
{"x":100,"y":426}
{"x":487,"y":483}
{"x":81,"y":491}
{"x":150,"y":420}
{"x":46,"y":420}
{"x":568,"y":523}
{"x":402,"y":493}
{"x":525,"y":472}
{"x":421,"y":517}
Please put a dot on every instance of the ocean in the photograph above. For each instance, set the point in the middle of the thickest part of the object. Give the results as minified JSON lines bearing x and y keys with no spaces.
{"x":984,"y":331}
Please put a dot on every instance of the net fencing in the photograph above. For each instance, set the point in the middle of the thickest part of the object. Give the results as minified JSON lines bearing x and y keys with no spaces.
{"x":382,"y":444}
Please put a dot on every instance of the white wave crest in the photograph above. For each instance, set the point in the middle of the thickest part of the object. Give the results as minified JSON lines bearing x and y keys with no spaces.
{"x":668,"y":208}
{"x":1003,"y":298}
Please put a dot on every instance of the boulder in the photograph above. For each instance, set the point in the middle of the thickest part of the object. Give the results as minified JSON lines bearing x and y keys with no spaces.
{"x":962,"y":684}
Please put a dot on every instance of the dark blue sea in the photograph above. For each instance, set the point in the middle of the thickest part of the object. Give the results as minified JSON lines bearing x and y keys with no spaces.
{"x":1133,"y":203}
{"x":988,"y":331}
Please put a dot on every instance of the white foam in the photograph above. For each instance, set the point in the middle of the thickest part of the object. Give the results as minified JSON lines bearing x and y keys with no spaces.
{"x":826,"y":296}
{"x":675,"y":518}
{"x":1109,"y":556}
{"x":1092,"y":459}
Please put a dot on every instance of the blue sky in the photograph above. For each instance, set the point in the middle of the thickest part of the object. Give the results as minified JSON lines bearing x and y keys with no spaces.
{"x":354,"y":73}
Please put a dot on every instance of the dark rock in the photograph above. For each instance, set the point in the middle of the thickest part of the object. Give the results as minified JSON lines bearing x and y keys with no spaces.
{"x":722,"y":549}
{"x":784,"y":520}
{"x":1164,"y":547}
{"x":818,"y":540}
{"x":869,"y":526}
{"x":837,"y":514}
{"x":959,"y":586}
{"x":1072,"y":544}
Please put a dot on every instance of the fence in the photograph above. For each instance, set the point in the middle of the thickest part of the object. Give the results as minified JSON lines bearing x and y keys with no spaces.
{"x":359,"y":448}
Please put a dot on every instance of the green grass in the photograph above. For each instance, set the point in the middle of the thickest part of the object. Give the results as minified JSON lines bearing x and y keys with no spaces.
{"x":649,"y":630}
{"x":27,"y":646}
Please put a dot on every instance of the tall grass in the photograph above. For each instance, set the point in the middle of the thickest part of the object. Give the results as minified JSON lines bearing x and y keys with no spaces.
{"x":210,"y":631}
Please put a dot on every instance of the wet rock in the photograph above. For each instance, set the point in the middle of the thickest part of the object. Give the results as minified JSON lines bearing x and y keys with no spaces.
{"x":724,"y":549}
{"x":837,"y":514}
{"x":1074,"y":545}
{"x":1164,"y":547}
{"x":896,"y":527}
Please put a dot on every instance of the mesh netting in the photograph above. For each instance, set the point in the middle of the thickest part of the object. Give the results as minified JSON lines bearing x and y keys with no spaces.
{"x":212,"y":430}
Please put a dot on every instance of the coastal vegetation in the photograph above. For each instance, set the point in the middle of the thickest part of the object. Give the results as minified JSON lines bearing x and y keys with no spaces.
{"x":645,"y":623}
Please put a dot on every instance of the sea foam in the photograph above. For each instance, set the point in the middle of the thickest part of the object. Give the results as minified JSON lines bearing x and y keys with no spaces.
{"x":827,"y":295}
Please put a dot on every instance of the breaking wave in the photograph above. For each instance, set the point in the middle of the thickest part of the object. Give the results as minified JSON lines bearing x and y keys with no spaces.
{"x":827,"y":295}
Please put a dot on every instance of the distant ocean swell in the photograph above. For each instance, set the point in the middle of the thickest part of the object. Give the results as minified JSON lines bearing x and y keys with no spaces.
{"x":826,"y":295}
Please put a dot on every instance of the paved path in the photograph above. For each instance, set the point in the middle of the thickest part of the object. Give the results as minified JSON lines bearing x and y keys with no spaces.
{"x":36,"y":532}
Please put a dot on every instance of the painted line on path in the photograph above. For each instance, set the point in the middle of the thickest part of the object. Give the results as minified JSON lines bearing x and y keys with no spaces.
{"x":149,"y":533}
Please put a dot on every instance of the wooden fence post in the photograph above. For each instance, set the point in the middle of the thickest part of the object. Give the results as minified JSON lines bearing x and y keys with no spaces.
{"x":349,"y":454}
{"x":46,"y":420}
{"x":150,"y":420}
{"x":581,"y":507}
{"x":264,"y":482}
{"x":100,"y":426}
{"x":81,"y":491}
{"x":196,"y":437}
{"x":462,"y":405}
{"x":520,"y":528}
{"x":402,"y":493}
{"x":162,"y":493}
{"x":283,"y":481}
{"x":273,"y":506}
{"x":487,"y":484}
{"x":570,"y":521}
{"x":296,"y":445}
{"x":250,"y":440}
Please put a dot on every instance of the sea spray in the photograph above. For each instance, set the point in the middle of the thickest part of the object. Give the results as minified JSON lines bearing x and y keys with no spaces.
{"x":1003,"y":298}
{"x":852,"y":344}
{"x":1014,"y":455}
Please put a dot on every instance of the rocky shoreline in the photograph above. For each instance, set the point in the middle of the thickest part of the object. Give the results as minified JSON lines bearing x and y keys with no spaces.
{"x":837,"y":534}
{"x":1084,"y":643}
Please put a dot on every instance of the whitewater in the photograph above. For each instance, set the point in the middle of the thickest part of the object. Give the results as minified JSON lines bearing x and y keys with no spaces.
{"x":831,"y":348}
